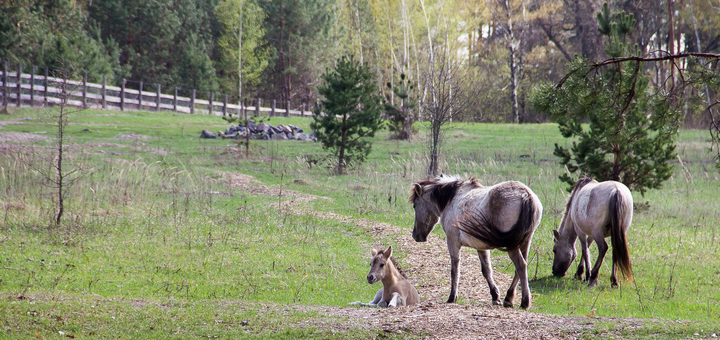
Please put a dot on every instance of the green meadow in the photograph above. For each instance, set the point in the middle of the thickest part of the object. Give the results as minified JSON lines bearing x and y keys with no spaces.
{"x":156,"y":244}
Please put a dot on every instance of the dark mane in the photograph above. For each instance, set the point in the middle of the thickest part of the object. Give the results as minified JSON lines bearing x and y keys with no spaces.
{"x":442,"y":189}
{"x":579,"y":185}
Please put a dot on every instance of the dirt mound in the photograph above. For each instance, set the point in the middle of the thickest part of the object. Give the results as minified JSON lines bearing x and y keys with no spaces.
{"x":21,"y":137}
{"x":132,"y":137}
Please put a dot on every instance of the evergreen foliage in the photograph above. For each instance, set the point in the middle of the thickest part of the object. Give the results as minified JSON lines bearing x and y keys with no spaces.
{"x":55,"y":34}
{"x":401,"y":117}
{"x":349,"y":113}
{"x":632,"y":130}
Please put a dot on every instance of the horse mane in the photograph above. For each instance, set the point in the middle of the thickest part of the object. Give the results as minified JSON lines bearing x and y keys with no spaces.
{"x":397,"y":266}
{"x":442,"y":188}
{"x":578,"y":185}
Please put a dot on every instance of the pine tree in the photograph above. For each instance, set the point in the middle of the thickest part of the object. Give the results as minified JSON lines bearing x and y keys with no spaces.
{"x":401,"y":117}
{"x":349,"y":114}
{"x":632,"y":130}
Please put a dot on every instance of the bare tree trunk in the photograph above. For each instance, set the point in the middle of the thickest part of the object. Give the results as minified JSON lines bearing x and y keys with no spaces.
{"x":341,"y":156}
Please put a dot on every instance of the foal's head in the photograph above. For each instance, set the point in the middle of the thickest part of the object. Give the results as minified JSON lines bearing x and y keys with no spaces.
{"x":380,"y":265}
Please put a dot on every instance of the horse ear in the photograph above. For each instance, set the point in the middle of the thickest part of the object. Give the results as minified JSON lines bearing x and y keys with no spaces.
{"x":418,"y":189}
{"x":388,"y":252}
{"x":556,"y":235}
{"x":374,"y":252}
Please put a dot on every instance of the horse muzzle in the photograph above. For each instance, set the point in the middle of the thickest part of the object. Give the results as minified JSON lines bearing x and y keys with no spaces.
{"x":418,"y":238}
{"x":372,"y":279}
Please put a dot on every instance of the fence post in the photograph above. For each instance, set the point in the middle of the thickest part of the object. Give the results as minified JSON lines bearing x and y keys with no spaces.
{"x":212,"y":102}
{"x":5,"y":87}
{"x":85,"y":90}
{"x":175,"y":100}
{"x":287,"y":108}
{"x":32,"y":87}
{"x":140,"y":97}
{"x":225,"y":106}
{"x":46,"y":82}
{"x":302,"y":114}
{"x":192,"y":102}
{"x":19,"y":85}
{"x":272,"y":111}
{"x":104,"y":93}
{"x":122,"y":96}
{"x":158,"y":100}
{"x":257,"y":107}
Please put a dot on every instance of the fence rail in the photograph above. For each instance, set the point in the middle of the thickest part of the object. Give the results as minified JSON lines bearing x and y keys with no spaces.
{"x":43,"y":90}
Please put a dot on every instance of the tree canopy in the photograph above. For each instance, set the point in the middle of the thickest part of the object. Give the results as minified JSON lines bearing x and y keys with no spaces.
{"x":349,"y":113}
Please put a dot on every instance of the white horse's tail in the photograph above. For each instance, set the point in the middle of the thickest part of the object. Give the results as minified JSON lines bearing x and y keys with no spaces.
{"x":621,"y":255}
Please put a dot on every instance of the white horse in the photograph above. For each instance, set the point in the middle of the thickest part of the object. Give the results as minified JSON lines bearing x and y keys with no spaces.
{"x":503,"y":216}
{"x":598,"y":210}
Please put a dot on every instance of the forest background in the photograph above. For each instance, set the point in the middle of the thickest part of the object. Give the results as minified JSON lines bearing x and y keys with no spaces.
{"x":501,"y":47}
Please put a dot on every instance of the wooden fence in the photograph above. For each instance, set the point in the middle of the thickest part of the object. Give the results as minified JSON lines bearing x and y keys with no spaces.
{"x":30,"y":89}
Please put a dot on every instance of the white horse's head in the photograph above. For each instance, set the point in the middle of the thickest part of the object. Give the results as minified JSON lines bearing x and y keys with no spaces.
{"x":564,"y":254}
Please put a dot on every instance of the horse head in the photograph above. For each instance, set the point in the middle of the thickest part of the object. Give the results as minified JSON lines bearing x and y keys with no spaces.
{"x":426,"y":214}
{"x":565,"y":254}
{"x":378,"y":268}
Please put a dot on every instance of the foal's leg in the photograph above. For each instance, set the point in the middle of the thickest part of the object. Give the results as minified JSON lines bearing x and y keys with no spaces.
{"x":602,"y":249}
{"x":488,"y":274}
{"x":454,"y":250}
{"x":520,"y":275}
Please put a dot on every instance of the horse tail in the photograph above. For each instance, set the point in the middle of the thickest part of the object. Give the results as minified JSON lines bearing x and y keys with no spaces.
{"x":526,"y":222}
{"x":621,"y":255}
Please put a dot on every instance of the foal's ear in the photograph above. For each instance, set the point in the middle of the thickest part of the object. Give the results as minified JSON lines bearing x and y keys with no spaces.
{"x":418,"y":189}
{"x":388,"y":252}
{"x":556,"y":235}
{"x":374,"y":252}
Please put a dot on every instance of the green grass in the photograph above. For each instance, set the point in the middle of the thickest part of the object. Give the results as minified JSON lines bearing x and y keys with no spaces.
{"x":153,"y":221}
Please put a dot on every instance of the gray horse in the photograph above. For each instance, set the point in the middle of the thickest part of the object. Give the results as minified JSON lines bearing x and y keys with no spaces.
{"x":503,"y":216}
{"x":598,"y":210}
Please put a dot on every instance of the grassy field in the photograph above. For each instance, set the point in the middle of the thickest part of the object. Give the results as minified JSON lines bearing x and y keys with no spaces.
{"x":155,"y":244}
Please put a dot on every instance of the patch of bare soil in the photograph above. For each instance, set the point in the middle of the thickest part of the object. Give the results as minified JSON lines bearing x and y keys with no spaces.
{"x":133,"y":137}
{"x":428,"y":266}
{"x":21,"y":137}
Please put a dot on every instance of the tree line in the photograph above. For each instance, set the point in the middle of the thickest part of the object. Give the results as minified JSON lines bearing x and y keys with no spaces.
{"x":492,"y":52}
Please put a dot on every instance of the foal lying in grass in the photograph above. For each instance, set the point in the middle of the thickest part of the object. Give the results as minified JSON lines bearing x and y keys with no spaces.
{"x":396,"y":290}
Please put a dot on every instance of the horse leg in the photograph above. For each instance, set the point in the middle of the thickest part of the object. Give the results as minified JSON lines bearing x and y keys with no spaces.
{"x":520,"y":275}
{"x":602,"y":249}
{"x":454,"y":250}
{"x":583,"y":258}
{"x":613,"y":276}
{"x":487,"y":272}
{"x":526,"y":282}
{"x":395,"y":300}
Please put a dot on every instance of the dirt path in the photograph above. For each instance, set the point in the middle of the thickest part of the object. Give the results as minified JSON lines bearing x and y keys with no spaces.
{"x":427,"y":265}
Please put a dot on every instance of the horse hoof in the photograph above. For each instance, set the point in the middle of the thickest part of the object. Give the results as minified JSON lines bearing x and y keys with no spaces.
{"x":592,"y":283}
{"x":507,"y":304}
{"x":614,"y":285}
{"x":496,"y":302}
{"x":451,"y":300}
{"x":525,"y":305}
